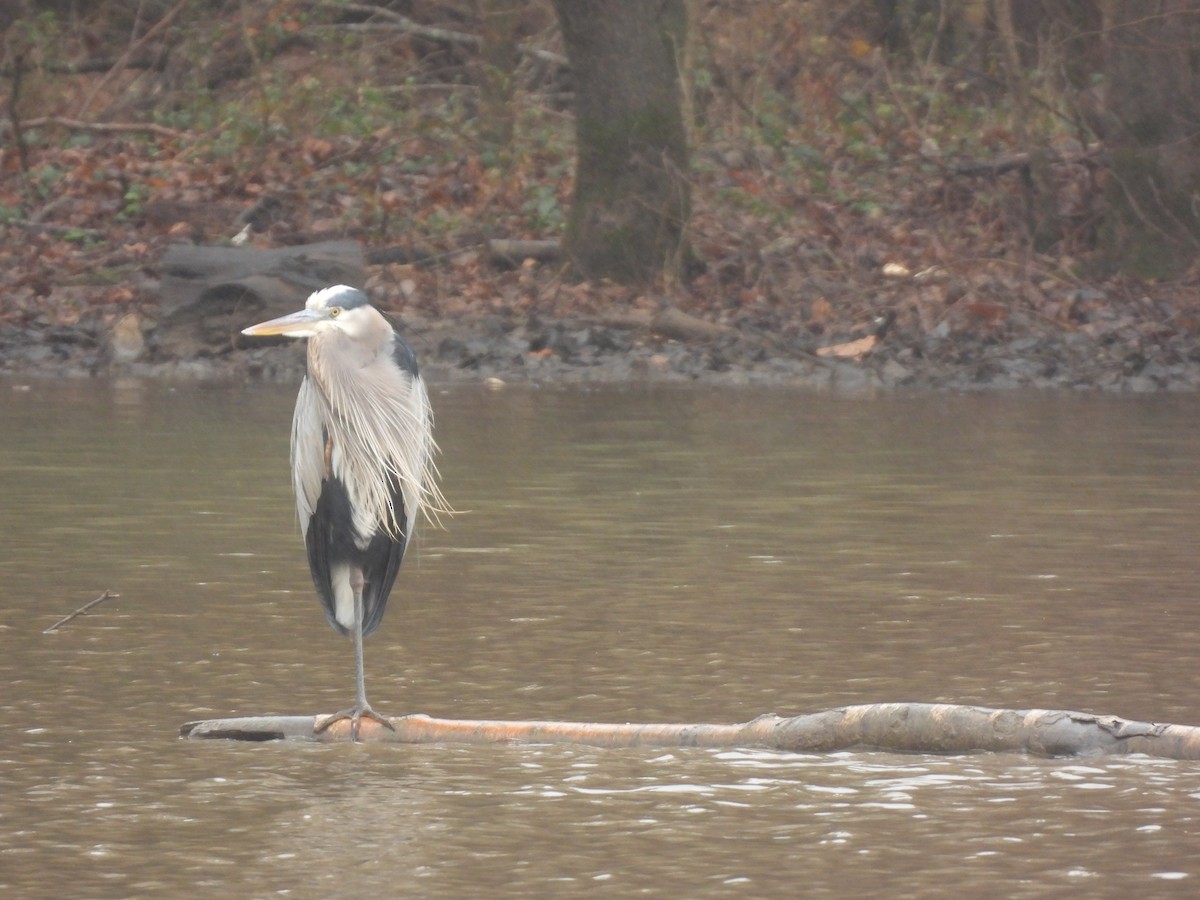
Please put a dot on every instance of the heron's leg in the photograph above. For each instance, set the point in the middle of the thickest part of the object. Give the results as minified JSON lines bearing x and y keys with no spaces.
{"x":361,"y":706}
{"x":360,"y":669}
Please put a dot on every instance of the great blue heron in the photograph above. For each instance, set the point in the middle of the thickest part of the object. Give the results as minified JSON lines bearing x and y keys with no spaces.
{"x":362,"y":461}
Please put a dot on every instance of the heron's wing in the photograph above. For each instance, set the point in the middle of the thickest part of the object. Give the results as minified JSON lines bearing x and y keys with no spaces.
{"x":308,"y":452}
{"x":318,"y":533}
{"x":322,"y":505}
{"x":382,"y":561}
{"x":403,"y":356}
{"x":332,"y":549}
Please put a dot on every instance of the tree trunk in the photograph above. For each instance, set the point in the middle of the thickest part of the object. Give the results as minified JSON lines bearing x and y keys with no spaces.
{"x":629,"y":213}
{"x":1041,"y":207}
{"x":1153,"y":76}
{"x":901,"y":727}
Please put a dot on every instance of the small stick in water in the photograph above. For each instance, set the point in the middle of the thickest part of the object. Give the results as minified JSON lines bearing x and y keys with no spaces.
{"x":107,"y":595}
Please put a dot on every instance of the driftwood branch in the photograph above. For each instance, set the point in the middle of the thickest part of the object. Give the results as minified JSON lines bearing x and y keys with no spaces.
{"x":900,"y":727}
{"x":102,"y":127}
{"x":677,"y":325}
{"x":107,"y":595}
{"x":513,"y":252}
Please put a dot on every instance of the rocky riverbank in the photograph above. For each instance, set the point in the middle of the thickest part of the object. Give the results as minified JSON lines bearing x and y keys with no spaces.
{"x":579,"y":350}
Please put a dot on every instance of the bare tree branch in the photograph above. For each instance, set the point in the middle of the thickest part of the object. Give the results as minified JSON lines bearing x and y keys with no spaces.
{"x":107,"y":595}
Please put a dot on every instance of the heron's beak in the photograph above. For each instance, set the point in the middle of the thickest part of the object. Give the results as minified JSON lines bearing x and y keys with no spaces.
{"x":297,"y":324}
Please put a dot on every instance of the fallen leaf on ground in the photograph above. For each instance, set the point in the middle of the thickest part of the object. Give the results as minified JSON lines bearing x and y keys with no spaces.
{"x":851,"y":349}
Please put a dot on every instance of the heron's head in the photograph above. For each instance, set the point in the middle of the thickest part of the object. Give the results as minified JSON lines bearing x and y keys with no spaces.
{"x":340,"y":308}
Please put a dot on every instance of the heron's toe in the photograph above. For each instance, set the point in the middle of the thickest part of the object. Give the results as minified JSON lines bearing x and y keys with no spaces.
{"x":355,"y":715}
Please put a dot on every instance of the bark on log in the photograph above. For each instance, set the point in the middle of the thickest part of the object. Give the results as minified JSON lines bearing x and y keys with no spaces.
{"x":512,"y":253}
{"x":899,"y":727}
{"x":209,"y":294}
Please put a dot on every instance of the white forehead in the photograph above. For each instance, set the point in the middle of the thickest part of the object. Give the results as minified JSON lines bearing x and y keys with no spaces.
{"x":338,"y":295}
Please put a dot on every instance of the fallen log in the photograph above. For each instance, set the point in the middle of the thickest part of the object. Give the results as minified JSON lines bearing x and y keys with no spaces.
{"x":208,"y":294}
{"x":898,"y":727}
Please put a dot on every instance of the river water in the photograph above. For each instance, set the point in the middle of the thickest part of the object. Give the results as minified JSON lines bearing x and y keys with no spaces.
{"x":638,"y":554}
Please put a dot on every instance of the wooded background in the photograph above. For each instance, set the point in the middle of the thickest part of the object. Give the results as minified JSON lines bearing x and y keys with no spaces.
{"x":787,"y":165}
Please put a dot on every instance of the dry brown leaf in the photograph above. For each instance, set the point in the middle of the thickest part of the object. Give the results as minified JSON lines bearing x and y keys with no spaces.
{"x":855,"y":350}
{"x":316,"y":150}
{"x":989,"y":312}
{"x":821,"y":311}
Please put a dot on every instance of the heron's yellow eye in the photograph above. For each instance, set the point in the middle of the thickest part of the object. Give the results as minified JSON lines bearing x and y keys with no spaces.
{"x":335,"y":312}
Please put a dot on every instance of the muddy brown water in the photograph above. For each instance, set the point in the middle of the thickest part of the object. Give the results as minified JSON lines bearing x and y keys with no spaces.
{"x":632,"y":554}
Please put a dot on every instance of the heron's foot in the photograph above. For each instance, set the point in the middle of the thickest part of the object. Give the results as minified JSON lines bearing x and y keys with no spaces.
{"x":355,"y":715}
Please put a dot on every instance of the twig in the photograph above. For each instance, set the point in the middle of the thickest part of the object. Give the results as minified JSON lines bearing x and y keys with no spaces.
{"x":137,"y":45}
{"x":404,"y":23}
{"x":87,"y":66}
{"x":722,"y":80}
{"x":53,"y":228}
{"x":1180,"y":227}
{"x":1137,"y":210}
{"x":850,"y":10}
{"x":397,"y":22}
{"x":107,"y":595}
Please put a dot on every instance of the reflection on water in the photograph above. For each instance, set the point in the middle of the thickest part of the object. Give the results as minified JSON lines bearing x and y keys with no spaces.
{"x":643,"y":554}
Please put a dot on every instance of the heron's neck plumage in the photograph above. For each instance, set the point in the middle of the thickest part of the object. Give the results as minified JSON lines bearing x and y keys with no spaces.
{"x":377,"y":419}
